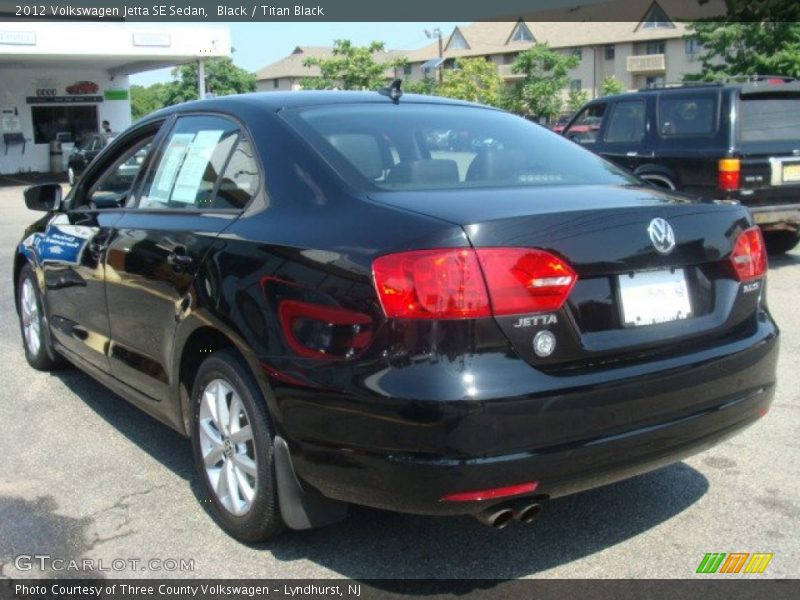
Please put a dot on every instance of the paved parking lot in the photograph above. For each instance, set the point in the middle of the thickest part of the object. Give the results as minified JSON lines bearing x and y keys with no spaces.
{"x":85,"y":475}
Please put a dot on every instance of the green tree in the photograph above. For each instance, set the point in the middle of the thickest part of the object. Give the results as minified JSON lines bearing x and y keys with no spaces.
{"x":610,"y":86}
{"x":350,"y":68}
{"x":757,"y":38}
{"x":545,"y":74}
{"x":474,"y":80}
{"x":145,"y":100}
{"x":576,"y":99}
{"x":223,"y":78}
{"x":428,"y":86}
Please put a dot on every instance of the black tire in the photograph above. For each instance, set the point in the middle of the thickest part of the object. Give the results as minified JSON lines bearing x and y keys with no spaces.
{"x":781,"y":242}
{"x":36,"y":341}
{"x":262,"y":519}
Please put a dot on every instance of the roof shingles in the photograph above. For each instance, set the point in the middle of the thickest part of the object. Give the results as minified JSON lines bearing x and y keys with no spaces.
{"x":292,"y":66}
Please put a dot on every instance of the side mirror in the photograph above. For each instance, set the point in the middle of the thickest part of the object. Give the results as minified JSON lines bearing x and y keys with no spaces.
{"x":43,"y":197}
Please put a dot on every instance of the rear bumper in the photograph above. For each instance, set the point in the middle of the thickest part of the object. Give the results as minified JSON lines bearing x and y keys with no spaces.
{"x":625,"y":422}
{"x":781,"y":214}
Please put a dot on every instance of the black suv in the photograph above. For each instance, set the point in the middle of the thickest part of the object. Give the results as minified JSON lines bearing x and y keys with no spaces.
{"x":732,"y":140}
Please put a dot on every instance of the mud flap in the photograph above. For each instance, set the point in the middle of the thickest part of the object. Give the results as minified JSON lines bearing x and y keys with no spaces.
{"x":301,"y":509}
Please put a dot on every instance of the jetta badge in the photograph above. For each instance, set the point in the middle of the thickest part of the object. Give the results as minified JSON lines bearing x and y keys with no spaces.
{"x":662,"y":235}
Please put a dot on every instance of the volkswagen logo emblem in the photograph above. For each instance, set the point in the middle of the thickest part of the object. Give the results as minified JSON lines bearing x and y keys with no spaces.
{"x":662,"y":235}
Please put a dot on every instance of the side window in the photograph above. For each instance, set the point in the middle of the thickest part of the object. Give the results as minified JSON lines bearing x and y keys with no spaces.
{"x":585,"y":127}
{"x":187,"y":169}
{"x":113,"y":187}
{"x":686,"y":116}
{"x":627,"y":122}
{"x":240,"y":179}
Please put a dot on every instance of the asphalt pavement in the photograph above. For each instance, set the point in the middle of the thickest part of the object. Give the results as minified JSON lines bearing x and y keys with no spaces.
{"x":89,"y":478}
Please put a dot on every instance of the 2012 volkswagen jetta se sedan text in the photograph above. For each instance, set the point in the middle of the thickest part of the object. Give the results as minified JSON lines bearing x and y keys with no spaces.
{"x":404,"y":302}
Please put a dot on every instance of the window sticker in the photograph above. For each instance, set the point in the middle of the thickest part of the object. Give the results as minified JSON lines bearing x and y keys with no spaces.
{"x":161,"y":188}
{"x":197,"y":159}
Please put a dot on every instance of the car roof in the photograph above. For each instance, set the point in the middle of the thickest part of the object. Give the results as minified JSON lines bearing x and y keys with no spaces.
{"x":275,"y":101}
{"x":761,"y":85}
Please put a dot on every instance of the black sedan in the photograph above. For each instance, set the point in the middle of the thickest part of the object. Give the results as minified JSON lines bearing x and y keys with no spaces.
{"x":337,"y":310}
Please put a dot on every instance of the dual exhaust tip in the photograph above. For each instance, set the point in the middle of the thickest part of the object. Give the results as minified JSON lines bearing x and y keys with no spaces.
{"x":524,"y":510}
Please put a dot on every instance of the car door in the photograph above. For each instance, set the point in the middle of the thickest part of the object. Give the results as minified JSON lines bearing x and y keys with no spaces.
{"x":625,"y":138}
{"x":181,"y":208}
{"x":72,"y":251}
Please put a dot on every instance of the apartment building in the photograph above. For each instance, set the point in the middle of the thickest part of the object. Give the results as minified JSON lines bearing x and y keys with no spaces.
{"x":651,"y":50}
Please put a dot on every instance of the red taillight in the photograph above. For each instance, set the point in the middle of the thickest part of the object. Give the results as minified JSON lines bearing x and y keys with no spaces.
{"x":728,"y":170}
{"x":523,"y":280}
{"x":492,"y":493}
{"x":431,"y":284}
{"x":749,"y":256}
{"x":452,"y":283}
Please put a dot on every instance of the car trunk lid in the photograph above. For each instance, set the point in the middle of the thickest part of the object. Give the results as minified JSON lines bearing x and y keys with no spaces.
{"x":604,"y":235}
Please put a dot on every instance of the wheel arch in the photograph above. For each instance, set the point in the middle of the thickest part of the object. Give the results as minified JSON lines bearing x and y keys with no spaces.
{"x":659,"y":174}
{"x":20,"y":260}
{"x":193,"y":345}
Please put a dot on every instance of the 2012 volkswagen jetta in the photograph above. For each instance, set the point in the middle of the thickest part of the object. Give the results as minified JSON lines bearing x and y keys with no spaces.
{"x":405,"y":302}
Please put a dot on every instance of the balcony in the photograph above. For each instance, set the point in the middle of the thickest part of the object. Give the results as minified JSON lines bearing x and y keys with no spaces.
{"x":505,"y":72}
{"x":647,"y":63}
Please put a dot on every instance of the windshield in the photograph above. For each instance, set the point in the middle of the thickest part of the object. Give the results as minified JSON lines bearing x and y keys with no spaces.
{"x":430,"y":146}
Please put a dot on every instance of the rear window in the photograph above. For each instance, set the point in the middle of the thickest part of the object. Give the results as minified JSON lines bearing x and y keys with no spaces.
{"x":424,"y":146}
{"x":770,"y":118}
{"x":687,"y":116}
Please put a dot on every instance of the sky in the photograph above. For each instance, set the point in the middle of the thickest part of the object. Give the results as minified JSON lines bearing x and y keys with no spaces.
{"x":259,"y":44}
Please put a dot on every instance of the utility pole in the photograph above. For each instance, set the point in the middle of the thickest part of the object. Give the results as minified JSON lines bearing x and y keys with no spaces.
{"x":437,"y":33}
{"x":201,"y":79}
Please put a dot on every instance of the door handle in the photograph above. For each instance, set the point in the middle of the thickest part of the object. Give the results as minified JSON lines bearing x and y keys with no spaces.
{"x":178,"y":259}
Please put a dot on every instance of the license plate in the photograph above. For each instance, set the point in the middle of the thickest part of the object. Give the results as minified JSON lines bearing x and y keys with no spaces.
{"x":791,"y":173}
{"x":654,"y":297}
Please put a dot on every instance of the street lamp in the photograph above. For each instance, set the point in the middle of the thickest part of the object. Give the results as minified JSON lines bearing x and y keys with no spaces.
{"x":437,"y":33}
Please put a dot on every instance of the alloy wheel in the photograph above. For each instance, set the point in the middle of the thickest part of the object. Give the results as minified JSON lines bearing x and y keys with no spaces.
{"x":228,"y":447}
{"x":31,"y":322}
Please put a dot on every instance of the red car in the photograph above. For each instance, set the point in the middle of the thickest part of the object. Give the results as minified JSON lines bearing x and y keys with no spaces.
{"x":83,"y":87}
{"x":561,"y":123}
